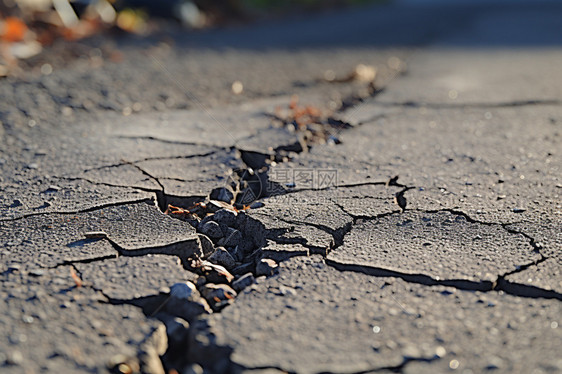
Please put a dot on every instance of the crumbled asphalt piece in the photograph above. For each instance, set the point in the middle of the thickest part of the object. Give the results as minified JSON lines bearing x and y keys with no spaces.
{"x":218,"y":295}
{"x":266,"y":266}
{"x":225,"y":216}
{"x":212,"y":230}
{"x":236,"y":253}
{"x":183,"y":290}
{"x":243,"y":282}
{"x":222,"y":194}
{"x":213,"y":273}
{"x":421,"y":243}
{"x":244,"y":268}
{"x":222,"y":257}
{"x":124,"y":277}
{"x":232,"y":238}
{"x":184,"y":301}
{"x":207,"y":246}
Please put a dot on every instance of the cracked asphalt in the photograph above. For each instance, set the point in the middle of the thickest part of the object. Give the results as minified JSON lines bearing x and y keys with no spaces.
{"x":153,"y":221}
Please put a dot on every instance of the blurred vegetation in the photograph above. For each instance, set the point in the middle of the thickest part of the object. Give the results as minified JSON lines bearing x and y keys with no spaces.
{"x":28,"y":27}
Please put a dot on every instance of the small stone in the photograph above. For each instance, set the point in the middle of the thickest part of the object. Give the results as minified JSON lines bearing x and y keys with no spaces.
{"x":216,"y":273}
{"x":241,"y":220}
{"x":16,"y":203}
{"x":223,"y":258}
{"x":185,"y":302}
{"x":32,"y":166}
{"x":53,"y":188}
{"x":225,"y":216}
{"x":243,"y":268}
{"x":218,"y":295}
{"x":243,"y":282}
{"x":232,"y":238}
{"x":212,"y":230}
{"x":220,"y":291}
{"x":519,"y":210}
{"x":236,"y":253}
{"x":207,"y":246}
{"x":183,"y":290}
{"x":222,"y":194}
{"x":266,"y":267}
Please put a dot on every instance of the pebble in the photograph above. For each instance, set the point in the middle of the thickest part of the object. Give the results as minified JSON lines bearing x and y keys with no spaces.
{"x":225,"y":216}
{"x":222,"y":194}
{"x":220,"y":291}
{"x":185,"y":302}
{"x":212,"y":230}
{"x":232,"y":238}
{"x":218,"y":295}
{"x":223,"y":258}
{"x":266,"y":267}
{"x":236,"y":253}
{"x":183,"y":290}
{"x":243,"y":282}
{"x":206,"y":245}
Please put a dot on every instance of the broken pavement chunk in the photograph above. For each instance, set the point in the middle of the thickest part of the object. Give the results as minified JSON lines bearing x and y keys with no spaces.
{"x":232,"y":238}
{"x":126,"y":278}
{"x":266,"y":267}
{"x":212,"y":230}
{"x":225,"y":216}
{"x":207,"y":245}
{"x":223,"y":258}
{"x":243,"y":282}
{"x":185,"y":301}
{"x":397,"y":244}
{"x":224,"y":194}
{"x":218,"y":295}
{"x":212,"y":272}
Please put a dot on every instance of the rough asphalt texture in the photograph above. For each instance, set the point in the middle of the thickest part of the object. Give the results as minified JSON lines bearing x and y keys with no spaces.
{"x":467,"y":278}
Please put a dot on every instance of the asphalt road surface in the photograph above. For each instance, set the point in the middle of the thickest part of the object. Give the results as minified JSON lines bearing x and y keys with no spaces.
{"x":379,"y":185}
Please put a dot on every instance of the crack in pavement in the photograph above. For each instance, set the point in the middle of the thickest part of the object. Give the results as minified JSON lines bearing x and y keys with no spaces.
{"x":338,"y":234}
{"x":85,"y":210}
{"x":500,"y":284}
{"x":154,"y":158}
{"x":85,"y":260}
{"x":139,"y":188}
{"x":508,"y":104}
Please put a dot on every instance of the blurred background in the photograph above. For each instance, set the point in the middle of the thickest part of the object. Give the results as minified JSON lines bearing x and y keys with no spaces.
{"x":29,"y":28}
